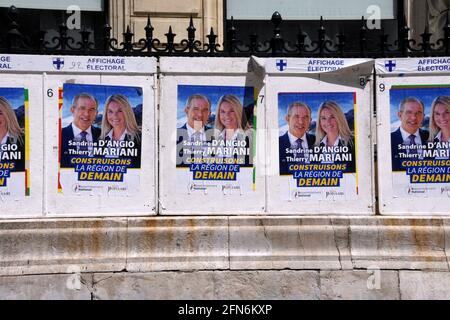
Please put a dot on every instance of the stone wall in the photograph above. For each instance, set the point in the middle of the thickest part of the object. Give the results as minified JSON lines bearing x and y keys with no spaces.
{"x":226,"y":258}
{"x":232,"y":285}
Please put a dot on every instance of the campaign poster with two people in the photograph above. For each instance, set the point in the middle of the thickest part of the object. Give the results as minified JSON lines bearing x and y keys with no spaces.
{"x":215,"y":137}
{"x":420,"y":140}
{"x":317,"y":145}
{"x":100,"y":139}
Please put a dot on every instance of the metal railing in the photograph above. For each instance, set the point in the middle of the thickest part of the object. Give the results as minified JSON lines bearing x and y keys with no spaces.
{"x":320,"y":45}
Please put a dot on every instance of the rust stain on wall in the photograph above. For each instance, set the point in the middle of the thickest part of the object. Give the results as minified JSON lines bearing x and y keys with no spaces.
{"x":98,"y":230}
{"x":190,"y":236}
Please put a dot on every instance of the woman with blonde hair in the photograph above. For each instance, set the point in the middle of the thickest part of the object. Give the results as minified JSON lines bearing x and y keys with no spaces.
{"x":332,"y":130}
{"x":119,"y":123}
{"x":440,"y":120}
{"x":231,"y":122}
{"x":9,"y":126}
{"x":10,"y":131}
{"x":230,"y":117}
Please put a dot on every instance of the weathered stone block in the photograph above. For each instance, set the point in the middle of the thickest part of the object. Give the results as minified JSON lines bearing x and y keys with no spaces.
{"x":45,"y":287}
{"x":266,"y":285}
{"x":341,"y":230}
{"x":57,"y":246}
{"x":208,"y":285}
{"x":278,"y":243}
{"x":168,"y":7}
{"x":416,"y":285}
{"x":154,"y":286}
{"x":177,"y":244}
{"x":359,"y":285}
{"x":398,"y":243}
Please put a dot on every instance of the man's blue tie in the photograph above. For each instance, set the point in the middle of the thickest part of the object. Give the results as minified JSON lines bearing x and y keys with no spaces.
{"x":84,"y":146}
{"x":299,"y":145}
{"x":412,"y":142}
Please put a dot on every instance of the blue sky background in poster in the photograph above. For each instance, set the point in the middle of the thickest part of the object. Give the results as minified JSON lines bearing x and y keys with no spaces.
{"x":101,"y":92}
{"x":344,"y":99}
{"x":245,"y":95}
{"x":426,"y":95}
{"x":15,"y":96}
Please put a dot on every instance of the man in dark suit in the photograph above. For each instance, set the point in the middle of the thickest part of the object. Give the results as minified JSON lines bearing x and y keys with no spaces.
{"x":407,"y":139}
{"x":296,"y":143}
{"x":78,"y":137}
{"x":194,"y":131}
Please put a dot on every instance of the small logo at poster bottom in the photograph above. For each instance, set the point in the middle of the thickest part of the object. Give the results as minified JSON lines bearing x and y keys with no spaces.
{"x":412,"y":190}
{"x":334,"y":194}
{"x":77,"y":188}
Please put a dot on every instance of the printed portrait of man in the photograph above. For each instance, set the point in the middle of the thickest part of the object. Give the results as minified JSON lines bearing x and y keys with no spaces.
{"x":78,"y":137}
{"x":296,"y":142}
{"x":408,"y":138}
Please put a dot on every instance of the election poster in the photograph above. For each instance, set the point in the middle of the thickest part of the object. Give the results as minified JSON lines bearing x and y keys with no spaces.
{"x":211,"y":142}
{"x":420,"y":140}
{"x":100,"y":135}
{"x":14,"y":144}
{"x":413,"y":112}
{"x":319,"y":136}
{"x":317,"y":145}
{"x":215,"y":135}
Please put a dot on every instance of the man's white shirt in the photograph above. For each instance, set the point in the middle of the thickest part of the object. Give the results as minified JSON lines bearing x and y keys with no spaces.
{"x":77,"y":137}
{"x":293,"y":141}
{"x":407,"y":140}
{"x":191,"y":131}
{"x":405,"y":136}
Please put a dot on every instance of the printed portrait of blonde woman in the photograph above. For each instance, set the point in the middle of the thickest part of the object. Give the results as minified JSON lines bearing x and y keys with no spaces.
{"x":11,"y":133}
{"x":231,"y":123}
{"x":440,"y":125}
{"x":333,"y":131}
{"x":119,"y":124}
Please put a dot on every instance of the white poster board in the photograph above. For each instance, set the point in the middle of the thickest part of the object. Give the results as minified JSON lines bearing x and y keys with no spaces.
{"x":413,"y":120}
{"x":21,"y":152}
{"x":210,"y":137}
{"x":319,"y":146}
{"x":100,"y":136}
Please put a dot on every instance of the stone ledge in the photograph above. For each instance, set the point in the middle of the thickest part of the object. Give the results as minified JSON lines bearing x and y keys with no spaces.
{"x":223,"y":243}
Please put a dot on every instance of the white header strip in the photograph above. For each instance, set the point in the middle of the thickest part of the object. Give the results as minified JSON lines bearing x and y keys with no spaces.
{"x":392,"y":66}
{"x":285,"y":66}
{"x":77,"y":64}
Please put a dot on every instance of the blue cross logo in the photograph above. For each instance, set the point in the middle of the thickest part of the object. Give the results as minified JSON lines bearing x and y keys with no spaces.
{"x":58,"y":63}
{"x":390,"y":65}
{"x":281,"y":65}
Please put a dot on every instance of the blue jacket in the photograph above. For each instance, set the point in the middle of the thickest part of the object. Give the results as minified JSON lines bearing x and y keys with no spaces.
{"x":396,"y":140}
{"x":182,"y":135}
{"x":66,"y":136}
{"x":284,"y":144}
